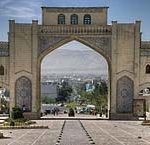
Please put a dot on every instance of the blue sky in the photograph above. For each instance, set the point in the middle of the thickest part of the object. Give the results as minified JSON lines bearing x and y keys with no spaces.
{"x":120,"y":10}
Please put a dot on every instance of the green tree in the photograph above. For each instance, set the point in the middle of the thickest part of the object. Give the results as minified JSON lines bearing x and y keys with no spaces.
{"x":64,"y":91}
{"x":98,"y":96}
{"x":48,"y":100}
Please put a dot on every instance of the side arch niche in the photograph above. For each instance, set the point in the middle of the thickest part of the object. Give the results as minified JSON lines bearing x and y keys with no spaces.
{"x":23,"y":92}
{"x":125,"y":93}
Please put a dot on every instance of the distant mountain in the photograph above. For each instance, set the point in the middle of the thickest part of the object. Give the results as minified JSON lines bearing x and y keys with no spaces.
{"x":74,"y":61}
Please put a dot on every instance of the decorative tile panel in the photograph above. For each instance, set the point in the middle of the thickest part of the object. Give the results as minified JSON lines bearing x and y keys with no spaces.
{"x":125,"y":93}
{"x":24,"y":93}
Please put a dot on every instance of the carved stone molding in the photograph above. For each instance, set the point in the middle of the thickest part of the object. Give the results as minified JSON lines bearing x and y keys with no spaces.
{"x":125,"y":93}
{"x":77,"y":9}
{"x":23,"y":92}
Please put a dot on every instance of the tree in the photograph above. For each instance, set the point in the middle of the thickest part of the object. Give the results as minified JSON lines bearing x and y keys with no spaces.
{"x":48,"y":100}
{"x":98,"y":96}
{"x":64,"y":91}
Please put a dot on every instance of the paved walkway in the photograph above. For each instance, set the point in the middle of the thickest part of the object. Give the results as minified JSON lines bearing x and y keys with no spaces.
{"x":33,"y":136}
{"x":118,"y":132}
{"x":84,"y":132}
{"x":73,"y":134}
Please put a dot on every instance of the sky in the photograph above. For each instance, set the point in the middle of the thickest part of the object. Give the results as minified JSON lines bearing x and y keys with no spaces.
{"x":120,"y":10}
{"x":76,"y":59}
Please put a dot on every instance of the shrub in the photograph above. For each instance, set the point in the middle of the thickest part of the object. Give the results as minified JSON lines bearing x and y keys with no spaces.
{"x":17,"y":122}
{"x":12,"y":123}
{"x":16,"y":113}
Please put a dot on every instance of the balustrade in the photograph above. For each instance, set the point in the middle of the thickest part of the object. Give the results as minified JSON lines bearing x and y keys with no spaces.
{"x":56,"y":29}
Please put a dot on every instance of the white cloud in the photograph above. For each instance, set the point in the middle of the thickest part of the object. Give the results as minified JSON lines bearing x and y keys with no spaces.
{"x":20,"y":8}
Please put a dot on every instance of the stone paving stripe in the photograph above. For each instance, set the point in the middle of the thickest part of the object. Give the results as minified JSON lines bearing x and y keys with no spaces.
{"x":39,"y":137}
{"x":20,"y":137}
{"x":87,"y":134}
{"x":106,"y":132}
{"x":73,"y":134}
{"x":61,"y":133}
{"x":134,"y":136}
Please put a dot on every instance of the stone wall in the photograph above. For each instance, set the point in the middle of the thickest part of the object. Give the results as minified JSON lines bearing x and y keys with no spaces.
{"x":4,"y":61}
{"x":50,"y":15}
{"x":144,"y":61}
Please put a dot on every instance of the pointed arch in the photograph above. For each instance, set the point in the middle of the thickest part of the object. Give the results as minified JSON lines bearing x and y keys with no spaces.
{"x":94,"y":44}
{"x":147,"y":69}
{"x":100,"y":44}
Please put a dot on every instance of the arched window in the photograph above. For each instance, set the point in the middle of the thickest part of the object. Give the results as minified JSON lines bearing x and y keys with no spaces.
{"x":1,"y":70}
{"x":74,"y":19}
{"x":147,"y":69}
{"x":61,"y":19}
{"x":87,"y":19}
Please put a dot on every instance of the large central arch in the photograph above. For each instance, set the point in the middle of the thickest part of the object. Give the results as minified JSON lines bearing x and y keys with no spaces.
{"x":93,"y":46}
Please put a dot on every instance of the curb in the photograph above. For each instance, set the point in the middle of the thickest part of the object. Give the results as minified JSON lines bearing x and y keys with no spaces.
{"x":24,"y":127}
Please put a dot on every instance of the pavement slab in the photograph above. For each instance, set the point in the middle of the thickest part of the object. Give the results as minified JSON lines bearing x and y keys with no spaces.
{"x":73,"y":134}
{"x":79,"y":132}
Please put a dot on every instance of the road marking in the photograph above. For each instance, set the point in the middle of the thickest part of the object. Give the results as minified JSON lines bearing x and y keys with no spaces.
{"x":133,"y":135}
{"x":20,"y":137}
{"x":106,"y":132}
{"x":39,"y":137}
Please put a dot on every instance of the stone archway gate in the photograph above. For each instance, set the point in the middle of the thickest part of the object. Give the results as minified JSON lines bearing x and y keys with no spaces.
{"x":118,"y":43}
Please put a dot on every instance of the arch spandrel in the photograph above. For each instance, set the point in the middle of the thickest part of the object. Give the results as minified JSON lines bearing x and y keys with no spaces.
{"x":49,"y":41}
{"x":100,"y":44}
{"x":103,"y":43}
